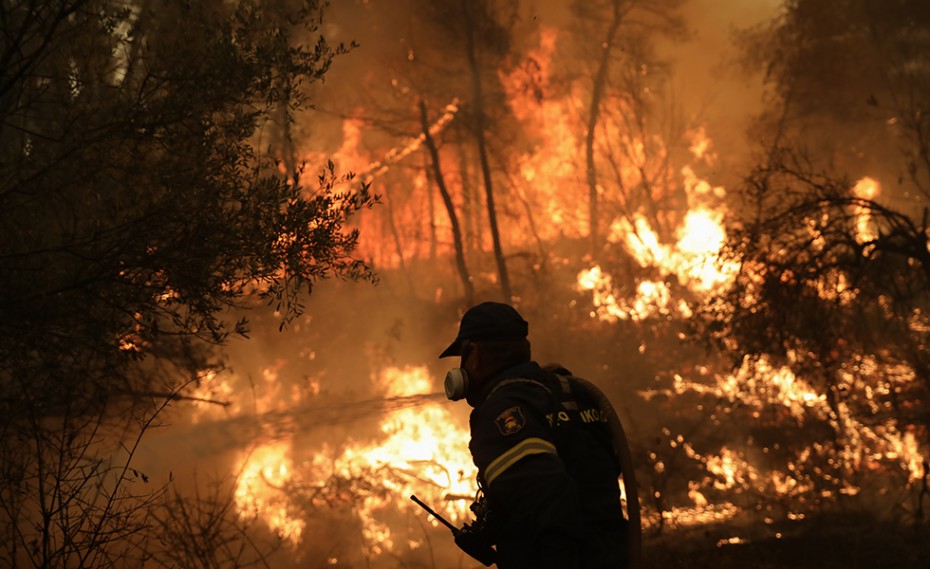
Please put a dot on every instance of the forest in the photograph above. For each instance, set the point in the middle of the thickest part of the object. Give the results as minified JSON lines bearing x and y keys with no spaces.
{"x":235,"y":236}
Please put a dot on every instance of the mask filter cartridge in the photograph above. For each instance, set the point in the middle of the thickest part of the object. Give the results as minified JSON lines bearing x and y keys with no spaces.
{"x":456,"y":384}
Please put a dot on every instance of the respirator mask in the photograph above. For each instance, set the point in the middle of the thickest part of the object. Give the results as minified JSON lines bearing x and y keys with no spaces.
{"x":456,"y":382}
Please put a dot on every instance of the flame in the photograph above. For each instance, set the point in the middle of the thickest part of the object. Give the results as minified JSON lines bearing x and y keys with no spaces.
{"x":729,"y":468}
{"x":550,"y":168}
{"x":694,"y":260}
{"x":425,"y":451}
{"x":264,"y":474}
{"x":702,"y":146}
{"x":209,"y":389}
{"x":607,"y":305}
{"x":688,"y":517}
{"x":867,"y":189}
{"x":759,"y":385}
{"x":395,"y":155}
{"x":651,"y":298}
{"x":422,"y":450}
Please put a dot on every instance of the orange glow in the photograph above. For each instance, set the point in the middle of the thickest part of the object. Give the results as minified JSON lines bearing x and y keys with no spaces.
{"x":209,"y":387}
{"x":702,"y":146}
{"x":758,"y":385}
{"x":423,"y":450}
{"x":397,"y":154}
{"x":694,"y":261}
{"x":651,"y":298}
{"x":866,"y":189}
{"x":700,"y":240}
{"x":689,"y":517}
{"x":259,"y":494}
{"x":729,"y":470}
{"x":550,"y":169}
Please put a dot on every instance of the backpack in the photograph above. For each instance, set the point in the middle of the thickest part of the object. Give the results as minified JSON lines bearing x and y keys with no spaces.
{"x":570,"y":391}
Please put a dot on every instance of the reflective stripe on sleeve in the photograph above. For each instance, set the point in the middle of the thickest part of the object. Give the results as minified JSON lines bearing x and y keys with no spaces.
{"x":524,"y":448}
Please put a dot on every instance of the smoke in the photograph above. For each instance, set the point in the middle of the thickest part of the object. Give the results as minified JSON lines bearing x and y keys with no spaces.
{"x":314,"y":380}
{"x":315,"y":386}
{"x":709,"y":83}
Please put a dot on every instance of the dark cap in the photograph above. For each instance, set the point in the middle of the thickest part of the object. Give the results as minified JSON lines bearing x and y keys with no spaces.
{"x":491,"y":321}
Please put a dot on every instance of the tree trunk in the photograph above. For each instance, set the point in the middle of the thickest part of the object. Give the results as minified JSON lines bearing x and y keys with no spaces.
{"x":432,"y":209}
{"x":597,"y":93}
{"x":450,"y":208}
{"x":470,"y":205}
{"x":398,"y":244}
{"x":482,"y":153}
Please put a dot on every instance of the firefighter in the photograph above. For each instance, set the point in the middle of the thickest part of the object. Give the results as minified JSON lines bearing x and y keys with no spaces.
{"x":547,"y":465}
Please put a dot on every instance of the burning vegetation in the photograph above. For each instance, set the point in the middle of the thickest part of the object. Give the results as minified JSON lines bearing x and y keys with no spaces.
{"x":754,"y":304}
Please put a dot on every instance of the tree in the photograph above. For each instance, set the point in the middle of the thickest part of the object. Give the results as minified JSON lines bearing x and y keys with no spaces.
{"x":832,"y":289}
{"x":850,"y":80}
{"x":449,"y":64}
{"x":828,"y":309}
{"x":480,"y":22}
{"x":204,"y":530}
{"x":136,"y":203}
{"x":855,"y":273}
{"x":618,"y":37}
{"x":450,"y":208}
{"x":138,"y":212}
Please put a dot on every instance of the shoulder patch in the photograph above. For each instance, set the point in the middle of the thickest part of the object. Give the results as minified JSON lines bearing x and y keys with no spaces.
{"x":510,"y":421}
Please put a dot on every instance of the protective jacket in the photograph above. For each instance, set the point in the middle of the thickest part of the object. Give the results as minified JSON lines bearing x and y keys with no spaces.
{"x":549,"y":473}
